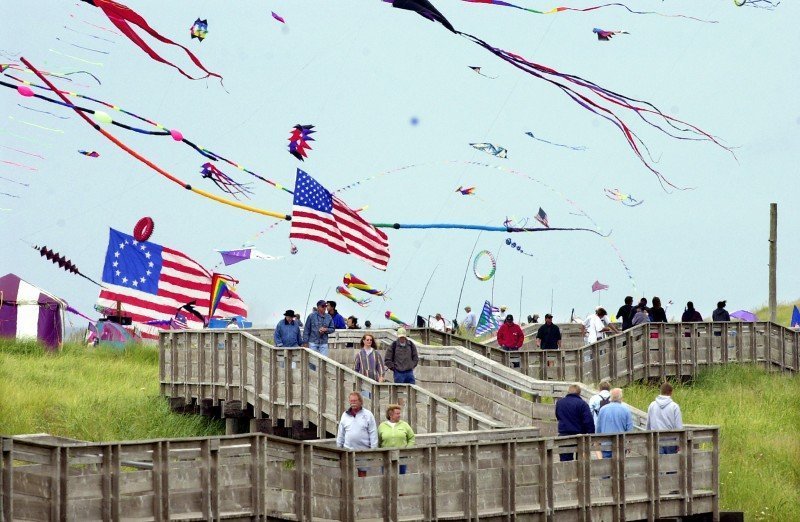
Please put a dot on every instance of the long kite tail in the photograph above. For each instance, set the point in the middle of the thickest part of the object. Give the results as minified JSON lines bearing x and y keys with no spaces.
{"x":122,"y":16}
{"x":555,"y":10}
{"x":485,"y":228}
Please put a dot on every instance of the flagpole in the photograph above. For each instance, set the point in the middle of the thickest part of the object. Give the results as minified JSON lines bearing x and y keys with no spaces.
{"x":521,"y":285}
{"x":466,"y":270}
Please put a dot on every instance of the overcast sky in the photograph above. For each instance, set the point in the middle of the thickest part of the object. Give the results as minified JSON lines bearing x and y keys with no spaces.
{"x":361,"y":72}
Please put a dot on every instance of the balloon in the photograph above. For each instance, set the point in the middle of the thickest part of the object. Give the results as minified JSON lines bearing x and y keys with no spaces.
{"x":176,"y":135}
{"x":102,"y":117}
{"x":24,"y":90}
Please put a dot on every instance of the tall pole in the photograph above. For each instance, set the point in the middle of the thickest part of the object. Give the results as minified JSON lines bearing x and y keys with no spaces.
{"x":773,"y":260}
{"x":521,"y":285}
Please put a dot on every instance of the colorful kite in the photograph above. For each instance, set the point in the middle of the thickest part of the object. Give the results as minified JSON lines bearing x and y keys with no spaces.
{"x":478,"y":70}
{"x":587,"y":94}
{"x":580,"y":147}
{"x":760,"y":4}
{"x":143,"y":229}
{"x":351,"y":281}
{"x":488,"y":148}
{"x":278,"y":17}
{"x":541,"y":217}
{"x":363,"y":302}
{"x":231,"y":257}
{"x":625,"y":199}
{"x":586,"y":9}
{"x":298,"y":140}
{"x":199,"y":29}
{"x":490,"y":274}
{"x":225,"y":182}
{"x":390,"y":316}
{"x":468,"y":191}
{"x":92,"y":154}
{"x":605,"y":36}
{"x":221,"y":285}
{"x":123,"y":16}
{"x":513,"y":244}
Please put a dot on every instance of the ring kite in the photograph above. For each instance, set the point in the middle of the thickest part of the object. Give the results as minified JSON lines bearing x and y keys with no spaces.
{"x":478,"y":256}
{"x":144,"y":229}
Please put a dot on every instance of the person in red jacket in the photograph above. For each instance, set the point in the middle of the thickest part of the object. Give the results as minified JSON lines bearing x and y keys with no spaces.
{"x":510,"y":336}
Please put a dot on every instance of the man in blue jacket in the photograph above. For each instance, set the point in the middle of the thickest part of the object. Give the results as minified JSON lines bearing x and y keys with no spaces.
{"x":574,"y":417}
{"x":614,"y":417}
{"x":287,"y":332}
{"x":318,"y":326}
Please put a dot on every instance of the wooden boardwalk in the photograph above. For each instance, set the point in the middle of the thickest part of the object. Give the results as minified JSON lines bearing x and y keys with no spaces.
{"x":483,"y":450}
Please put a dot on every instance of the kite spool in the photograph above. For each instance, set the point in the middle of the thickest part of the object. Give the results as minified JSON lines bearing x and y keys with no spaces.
{"x":484,"y":277}
{"x":143,"y":229}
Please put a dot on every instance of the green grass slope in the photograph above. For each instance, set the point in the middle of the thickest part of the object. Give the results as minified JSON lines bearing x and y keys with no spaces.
{"x":783,"y":313}
{"x":759,"y":416}
{"x":90,"y":394}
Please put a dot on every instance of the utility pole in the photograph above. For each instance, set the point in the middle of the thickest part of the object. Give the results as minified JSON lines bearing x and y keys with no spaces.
{"x":773,"y":260}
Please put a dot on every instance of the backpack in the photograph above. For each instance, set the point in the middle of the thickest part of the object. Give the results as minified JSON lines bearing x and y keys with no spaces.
{"x":603,"y":402}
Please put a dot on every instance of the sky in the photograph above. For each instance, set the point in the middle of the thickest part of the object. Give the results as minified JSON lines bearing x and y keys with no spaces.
{"x":363,"y":73}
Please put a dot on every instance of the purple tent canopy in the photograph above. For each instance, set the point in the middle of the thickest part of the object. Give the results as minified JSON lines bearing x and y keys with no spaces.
{"x":28,"y":312}
{"x":744,"y":315}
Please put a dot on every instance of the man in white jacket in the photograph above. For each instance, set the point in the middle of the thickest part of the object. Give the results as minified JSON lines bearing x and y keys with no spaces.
{"x":665,"y":414}
{"x":600,"y":399}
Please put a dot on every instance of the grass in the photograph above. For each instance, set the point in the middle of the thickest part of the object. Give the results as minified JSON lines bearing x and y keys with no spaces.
{"x":783,"y":315}
{"x":94,"y":394}
{"x":759,"y":416}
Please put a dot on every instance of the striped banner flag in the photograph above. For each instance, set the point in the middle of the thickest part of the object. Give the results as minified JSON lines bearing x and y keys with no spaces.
{"x":487,"y":322}
{"x":317,"y":215}
{"x":152,"y":281}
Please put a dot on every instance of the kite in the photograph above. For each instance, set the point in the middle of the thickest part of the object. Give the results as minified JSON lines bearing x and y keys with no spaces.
{"x":556,"y":10}
{"x":513,"y":244}
{"x":488,"y":148}
{"x":390,"y":316}
{"x":91,"y":154}
{"x":220,"y":286}
{"x":587,"y":94}
{"x":62,"y":262}
{"x":231,"y":257}
{"x":363,"y":302}
{"x":298,"y":140}
{"x":143,"y":229}
{"x":760,"y":4}
{"x":478,"y":70}
{"x":278,"y":17}
{"x":351,"y":281}
{"x":580,"y":147}
{"x":123,"y":16}
{"x":598,"y":286}
{"x":225,"y":182}
{"x":469,"y":191}
{"x":478,"y":256}
{"x":625,"y":199}
{"x":199,"y":29}
{"x":541,"y":217}
{"x":605,"y":36}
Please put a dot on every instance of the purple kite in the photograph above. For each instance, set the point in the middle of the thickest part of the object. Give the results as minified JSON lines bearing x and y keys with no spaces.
{"x":278,"y":17}
{"x":597,"y":286}
{"x":604,"y":35}
{"x":231,"y":257}
{"x":298,"y":140}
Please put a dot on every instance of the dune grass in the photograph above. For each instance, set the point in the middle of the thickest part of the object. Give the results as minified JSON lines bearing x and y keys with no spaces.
{"x":94,"y":394}
{"x":759,"y":416}
{"x":783,"y":315}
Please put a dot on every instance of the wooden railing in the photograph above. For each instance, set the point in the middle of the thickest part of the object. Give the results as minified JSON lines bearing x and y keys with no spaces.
{"x":258,"y":476}
{"x":654,"y":350}
{"x":291,"y":384}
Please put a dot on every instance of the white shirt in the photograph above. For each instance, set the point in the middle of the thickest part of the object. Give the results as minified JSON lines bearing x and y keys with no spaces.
{"x":594,"y":329}
{"x":438,"y":324}
{"x":469,"y":320}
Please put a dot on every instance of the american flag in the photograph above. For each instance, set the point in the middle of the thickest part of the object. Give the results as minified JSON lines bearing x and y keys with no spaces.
{"x":541,"y":217}
{"x":152,"y":281}
{"x":317,"y":215}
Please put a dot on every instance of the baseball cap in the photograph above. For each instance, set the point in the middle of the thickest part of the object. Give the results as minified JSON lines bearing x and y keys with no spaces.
{"x":401,"y":332}
{"x":322,"y":302}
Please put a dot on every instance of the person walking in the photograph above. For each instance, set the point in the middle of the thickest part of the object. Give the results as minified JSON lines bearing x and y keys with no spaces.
{"x":665,"y":414}
{"x":319,"y":325}
{"x":574,"y":417}
{"x":720,"y":314}
{"x":287,"y":331}
{"x":402,"y":358}
{"x":368,"y":360}
{"x":657,"y":313}
{"x":600,"y":399}
{"x":690,"y":315}
{"x":615,"y":417}
{"x":625,"y":313}
{"x":394,"y":432}
{"x":510,"y":336}
{"x":470,"y":322}
{"x":357,"y":428}
{"x":548,"y":337}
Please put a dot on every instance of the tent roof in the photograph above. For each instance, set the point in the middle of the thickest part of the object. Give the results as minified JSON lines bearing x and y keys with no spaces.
{"x":9,"y":287}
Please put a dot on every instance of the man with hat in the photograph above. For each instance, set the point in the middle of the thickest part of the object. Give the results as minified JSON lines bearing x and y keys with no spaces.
{"x":287,"y":332}
{"x":402,"y":358}
{"x":318,"y":326}
{"x":549,"y":335}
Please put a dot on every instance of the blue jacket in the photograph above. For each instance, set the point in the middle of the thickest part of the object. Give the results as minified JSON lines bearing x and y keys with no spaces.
{"x":574,"y":416}
{"x":338,"y":321}
{"x":313,"y":323}
{"x":288,"y":335}
{"x":614,"y":417}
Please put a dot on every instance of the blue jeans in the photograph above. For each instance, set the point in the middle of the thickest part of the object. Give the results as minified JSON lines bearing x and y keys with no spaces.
{"x":321,"y":348}
{"x":406,"y":377}
{"x":667,"y":450}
